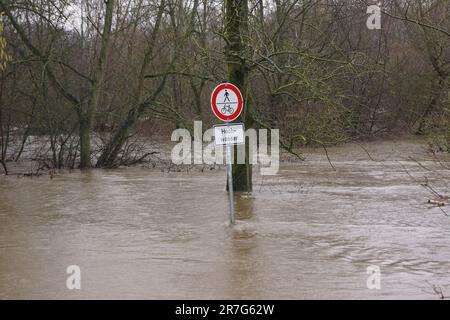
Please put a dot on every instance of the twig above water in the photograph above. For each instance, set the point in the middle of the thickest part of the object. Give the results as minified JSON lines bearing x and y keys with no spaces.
{"x":328,"y":157}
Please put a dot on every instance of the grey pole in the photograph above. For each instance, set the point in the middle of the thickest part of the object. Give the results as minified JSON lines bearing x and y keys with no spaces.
{"x":230,"y":184}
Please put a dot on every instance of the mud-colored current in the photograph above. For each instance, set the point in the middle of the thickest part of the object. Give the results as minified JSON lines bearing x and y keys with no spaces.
{"x":309,"y":232}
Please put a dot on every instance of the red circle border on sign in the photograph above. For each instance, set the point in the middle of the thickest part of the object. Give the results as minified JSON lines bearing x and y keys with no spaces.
{"x":214,"y":107}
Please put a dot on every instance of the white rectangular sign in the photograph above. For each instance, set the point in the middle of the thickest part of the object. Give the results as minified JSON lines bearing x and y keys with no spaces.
{"x":229,"y":134}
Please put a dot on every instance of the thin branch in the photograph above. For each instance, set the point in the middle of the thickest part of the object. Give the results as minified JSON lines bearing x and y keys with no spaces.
{"x":422,"y":24}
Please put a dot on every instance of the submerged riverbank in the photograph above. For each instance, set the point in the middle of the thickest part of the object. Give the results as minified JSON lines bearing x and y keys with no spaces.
{"x":155,"y":154}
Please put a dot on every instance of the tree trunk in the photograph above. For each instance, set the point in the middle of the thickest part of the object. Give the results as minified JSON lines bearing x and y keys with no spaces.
{"x":85,"y":144}
{"x":87,"y":116}
{"x":236,"y":28}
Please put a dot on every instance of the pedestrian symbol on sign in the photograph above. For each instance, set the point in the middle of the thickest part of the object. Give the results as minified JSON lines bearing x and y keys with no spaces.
{"x":227,"y":96}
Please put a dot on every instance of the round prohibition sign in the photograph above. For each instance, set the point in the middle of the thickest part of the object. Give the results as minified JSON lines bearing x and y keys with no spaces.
{"x":226,"y":102}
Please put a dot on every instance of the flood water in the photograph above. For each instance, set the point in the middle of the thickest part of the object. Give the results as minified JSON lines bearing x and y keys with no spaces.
{"x":309,"y":232}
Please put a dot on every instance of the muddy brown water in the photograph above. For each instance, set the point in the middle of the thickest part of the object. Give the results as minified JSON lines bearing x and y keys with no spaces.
{"x":309,"y":232}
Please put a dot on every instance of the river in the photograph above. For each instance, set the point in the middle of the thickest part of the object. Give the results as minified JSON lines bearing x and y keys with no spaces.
{"x":309,"y":232}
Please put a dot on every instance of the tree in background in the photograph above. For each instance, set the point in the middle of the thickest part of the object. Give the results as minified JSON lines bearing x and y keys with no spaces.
{"x":91,"y":77}
{"x":235,"y":34}
{"x":85,"y":104}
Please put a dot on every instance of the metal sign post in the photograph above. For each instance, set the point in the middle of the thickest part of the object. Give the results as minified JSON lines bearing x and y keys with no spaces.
{"x":230,"y":183}
{"x":227,"y":105}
